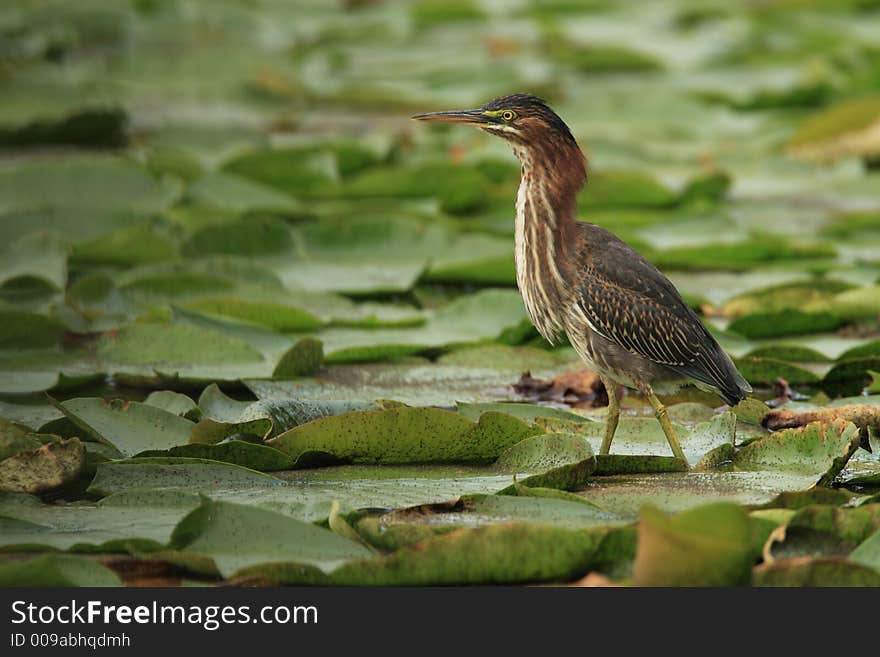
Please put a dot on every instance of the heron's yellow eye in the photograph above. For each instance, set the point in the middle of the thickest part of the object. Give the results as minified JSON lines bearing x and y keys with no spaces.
{"x":508,"y":115}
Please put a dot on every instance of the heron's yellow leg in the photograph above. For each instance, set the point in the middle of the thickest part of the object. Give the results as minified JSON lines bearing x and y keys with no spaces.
{"x":613,"y":415}
{"x":663,"y":419}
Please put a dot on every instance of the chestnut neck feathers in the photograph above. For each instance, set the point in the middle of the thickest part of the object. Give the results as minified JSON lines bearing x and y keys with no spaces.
{"x":553,"y":172}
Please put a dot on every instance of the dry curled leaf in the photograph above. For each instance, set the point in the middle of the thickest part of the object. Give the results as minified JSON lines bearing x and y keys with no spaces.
{"x":864,"y":416}
{"x":578,"y":389}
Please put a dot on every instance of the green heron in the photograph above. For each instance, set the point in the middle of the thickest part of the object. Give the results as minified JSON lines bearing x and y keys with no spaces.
{"x":623,"y":317}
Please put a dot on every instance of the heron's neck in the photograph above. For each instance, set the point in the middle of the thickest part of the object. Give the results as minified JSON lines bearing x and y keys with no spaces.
{"x":546,"y":217}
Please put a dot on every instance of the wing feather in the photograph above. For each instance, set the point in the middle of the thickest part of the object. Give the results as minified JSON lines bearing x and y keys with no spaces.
{"x":628,"y":301}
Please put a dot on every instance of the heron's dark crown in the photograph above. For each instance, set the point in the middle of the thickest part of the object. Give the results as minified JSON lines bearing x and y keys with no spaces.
{"x":528,"y":107}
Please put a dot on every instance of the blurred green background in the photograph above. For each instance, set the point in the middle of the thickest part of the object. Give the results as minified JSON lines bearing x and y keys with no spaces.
{"x":188,"y":188}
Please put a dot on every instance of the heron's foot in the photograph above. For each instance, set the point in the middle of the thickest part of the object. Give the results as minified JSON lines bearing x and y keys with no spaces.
{"x":613,"y":415}
{"x":663,"y":418}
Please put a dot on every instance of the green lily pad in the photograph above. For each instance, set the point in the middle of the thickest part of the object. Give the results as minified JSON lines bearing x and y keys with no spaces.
{"x":783,"y":323}
{"x":302,"y":359}
{"x":238,"y":452}
{"x":526,"y":412}
{"x":141,"y":243}
{"x":225,"y":416}
{"x":22,"y":330}
{"x":846,"y":129}
{"x":644,"y":437}
{"x":850,"y":376}
{"x":788,"y":353}
{"x":787,"y":296}
{"x":175,"y":403}
{"x":287,"y":170}
{"x":476,"y":510}
{"x":82,"y":181}
{"x":404,"y":435}
{"x":56,"y":570}
{"x":760,"y":369}
{"x":228,"y":191}
{"x":142,"y":522}
{"x":613,"y":189}
{"x":543,"y":452}
{"x":855,"y":304}
{"x":235,"y":537}
{"x":176,"y":473}
{"x":822,"y":530}
{"x":707,"y":546}
{"x":162,"y":345}
{"x":14,"y":439}
{"x":253,"y":236}
{"x":806,"y":571}
{"x":818,"y":451}
{"x":130,"y":427}
{"x":277,"y":316}
{"x":868,"y":552}
{"x":505,"y":553}
{"x":740,"y":256}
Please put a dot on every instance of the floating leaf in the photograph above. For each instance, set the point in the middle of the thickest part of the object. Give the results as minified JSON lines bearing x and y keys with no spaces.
{"x":542,"y":452}
{"x":868,"y":552}
{"x":817,"y":451}
{"x":162,"y":344}
{"x":175,"y":403}
{"x":706,"y":546}
{"x":82,"y":181}
{"x":43,"y":469}
{"x":236,"y":536}
{"x":497,"y":554}
{"x":302,"y":359}
{"x":137,"y":244}
{"x":139,"y":522}
{"x":806,"y":571}
{"x":404,"y":435}
{"x":759,"y":369}
{"x":22,"y":330}
{"x":277,"y":316}
{"x":845,"y":129}
{"x":175,"y":473}
{"x":227,"y":191}
{"x":254,"y":236}
{"x":98,"y":127}
{"x":783,"y":323}
{"x":131,"y":427}
{"x":56,"y":570}
{"x":238,"y":452}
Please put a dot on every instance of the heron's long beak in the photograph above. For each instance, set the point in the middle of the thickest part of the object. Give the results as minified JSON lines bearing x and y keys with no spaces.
{"x":469,"y":117}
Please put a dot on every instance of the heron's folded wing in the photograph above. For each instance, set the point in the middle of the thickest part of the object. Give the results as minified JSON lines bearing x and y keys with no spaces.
{"x":627,"y":300}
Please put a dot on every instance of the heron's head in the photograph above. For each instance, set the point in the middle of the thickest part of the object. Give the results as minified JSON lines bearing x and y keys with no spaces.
{"x":524,"y":120}
{"x":540,"y":139}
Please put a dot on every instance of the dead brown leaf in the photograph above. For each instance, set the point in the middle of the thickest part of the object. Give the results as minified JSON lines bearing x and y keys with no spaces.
{"x":578,"y":389}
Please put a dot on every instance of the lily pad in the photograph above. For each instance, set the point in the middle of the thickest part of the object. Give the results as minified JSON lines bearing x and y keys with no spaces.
{"x":131,"y":427}
{"x":176,"y":473}
{"x":806,"y":571}
{"x":783,"y":323}
{"x":505,"y":553}
{"x":706,"y":546}
{"x":404,"y":435}
{"x":82,"y":181}
{"x":817,"y":452}
{"x":56,"y":570}
{"x":846,"y":129}
{"x":141,"y":522}
{"x":235,"y":537}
